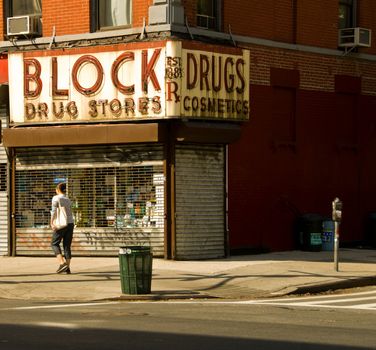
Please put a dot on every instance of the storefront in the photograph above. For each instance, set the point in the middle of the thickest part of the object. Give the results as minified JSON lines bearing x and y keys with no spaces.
{"x":4,"y":108}
{"x":138,"y":133}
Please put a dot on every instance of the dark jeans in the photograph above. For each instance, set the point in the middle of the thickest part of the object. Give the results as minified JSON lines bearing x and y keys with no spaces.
{"x":65,"y":234}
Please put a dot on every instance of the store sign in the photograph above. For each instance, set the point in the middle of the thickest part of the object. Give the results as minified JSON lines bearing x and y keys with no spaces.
{"x":207,"y":85}
{"x":152,"y":83}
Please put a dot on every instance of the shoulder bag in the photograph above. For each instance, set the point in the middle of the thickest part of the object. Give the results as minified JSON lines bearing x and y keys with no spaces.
{"x":60,"y":218}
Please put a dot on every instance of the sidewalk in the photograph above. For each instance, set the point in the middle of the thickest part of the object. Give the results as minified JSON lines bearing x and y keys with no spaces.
{"x":238,"y":277}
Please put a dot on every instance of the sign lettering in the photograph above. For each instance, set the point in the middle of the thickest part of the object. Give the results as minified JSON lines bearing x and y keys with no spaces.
{"x":156,"y":83}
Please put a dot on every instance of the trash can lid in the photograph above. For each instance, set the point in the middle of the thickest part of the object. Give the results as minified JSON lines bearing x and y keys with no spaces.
{"x":133,"y":249}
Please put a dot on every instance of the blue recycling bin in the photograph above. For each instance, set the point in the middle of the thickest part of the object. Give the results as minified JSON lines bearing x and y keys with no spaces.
{"x":327,"y":236}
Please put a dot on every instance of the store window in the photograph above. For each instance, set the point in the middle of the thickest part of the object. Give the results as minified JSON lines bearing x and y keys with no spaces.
{"x":107,"y":14}
{"x":208,"y":14}
{"x":119,"y":189}
{"x":347,"y":14}
{"x":126,"y":197}
{"x":23,"y":7}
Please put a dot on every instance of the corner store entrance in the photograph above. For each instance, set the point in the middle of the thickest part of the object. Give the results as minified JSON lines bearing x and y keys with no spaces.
{"x":117,"y":193}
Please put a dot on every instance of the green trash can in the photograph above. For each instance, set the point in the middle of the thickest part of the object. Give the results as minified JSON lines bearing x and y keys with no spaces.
{"x":135,"y":269}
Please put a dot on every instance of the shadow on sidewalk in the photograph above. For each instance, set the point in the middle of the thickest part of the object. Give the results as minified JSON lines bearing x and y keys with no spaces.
{"x":83,"y":277}
{"x":359,"y":255}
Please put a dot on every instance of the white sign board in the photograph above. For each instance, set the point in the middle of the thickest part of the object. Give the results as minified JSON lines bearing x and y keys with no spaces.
{"x":127,"y":83}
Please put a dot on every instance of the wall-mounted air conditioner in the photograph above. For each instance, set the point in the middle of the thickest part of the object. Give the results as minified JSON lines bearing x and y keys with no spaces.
{"x":353,"y":37}
{"x":23,"y":25}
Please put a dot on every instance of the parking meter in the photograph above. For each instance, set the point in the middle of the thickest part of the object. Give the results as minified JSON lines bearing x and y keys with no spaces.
{"x":337,"y":210}
{"x":337,"y":217}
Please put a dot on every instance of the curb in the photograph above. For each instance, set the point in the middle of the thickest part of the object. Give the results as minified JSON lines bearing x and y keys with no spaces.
{"x":292,"y":290}
{"x":332,"y":286}
{"x":160,"y":297}
{"x":166,"y":297}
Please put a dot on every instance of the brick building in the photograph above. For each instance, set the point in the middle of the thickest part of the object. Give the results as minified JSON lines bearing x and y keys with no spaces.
{"x":142,"y":106}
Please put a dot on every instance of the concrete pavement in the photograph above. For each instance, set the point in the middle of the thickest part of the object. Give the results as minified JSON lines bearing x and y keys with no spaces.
{"x":237,"y":277}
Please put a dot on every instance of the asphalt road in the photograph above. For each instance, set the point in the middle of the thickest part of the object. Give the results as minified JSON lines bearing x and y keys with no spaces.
{"x":182,"y":325}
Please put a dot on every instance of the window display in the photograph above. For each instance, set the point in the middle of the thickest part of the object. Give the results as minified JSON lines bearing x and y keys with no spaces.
{"x":128,"y":196}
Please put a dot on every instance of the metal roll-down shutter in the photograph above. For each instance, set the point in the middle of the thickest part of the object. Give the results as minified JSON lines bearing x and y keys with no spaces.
{"x":3,"y":193}
{"x":200,"y":206}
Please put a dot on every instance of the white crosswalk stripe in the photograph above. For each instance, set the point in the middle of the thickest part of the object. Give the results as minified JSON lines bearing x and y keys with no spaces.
{"x":357,"y":301}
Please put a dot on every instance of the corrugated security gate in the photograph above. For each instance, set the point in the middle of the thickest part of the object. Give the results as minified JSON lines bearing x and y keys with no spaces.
{"x":3,"y":193}
{"x":200,"y":201}
{"x":117,"y":194}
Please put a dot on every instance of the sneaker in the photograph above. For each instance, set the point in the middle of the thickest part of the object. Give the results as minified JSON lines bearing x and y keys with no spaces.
{"x":68,"y":271}
{"x":62,"y":268}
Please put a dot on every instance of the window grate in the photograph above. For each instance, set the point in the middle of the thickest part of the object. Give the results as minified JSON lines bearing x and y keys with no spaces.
{"x":119,"y":197}
{"x":3,"y":177}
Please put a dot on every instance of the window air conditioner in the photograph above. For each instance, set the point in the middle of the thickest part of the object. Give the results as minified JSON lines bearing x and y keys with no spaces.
{"x":23,"y":25}
{"x":352,"y":37}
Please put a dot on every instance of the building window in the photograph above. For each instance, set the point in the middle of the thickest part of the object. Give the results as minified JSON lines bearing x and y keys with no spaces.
{"x":347,"y":14}
{"x":207,"y":14}
{"x":24,"y":7}
{"x":122,"y":197}
{"x":24,"y":17}
{"x":108,"y":14}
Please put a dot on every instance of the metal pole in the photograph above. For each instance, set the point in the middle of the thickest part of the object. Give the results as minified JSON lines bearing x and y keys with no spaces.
{"x":336,"y":244}
{"x":337,"y":217}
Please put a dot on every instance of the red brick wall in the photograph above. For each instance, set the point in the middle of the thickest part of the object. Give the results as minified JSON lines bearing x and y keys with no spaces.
{"x":300,"y":168}
{"x":68,"y":17}
{"x":190,"y":11}
{"x":316,"y":71}
{"x":73,"y":17}
{"x":367,"y":19}
{"x":140,"y":11}
{"x":253,"y":18}
{"x":276,"y":183}
{"x":318,"y":23}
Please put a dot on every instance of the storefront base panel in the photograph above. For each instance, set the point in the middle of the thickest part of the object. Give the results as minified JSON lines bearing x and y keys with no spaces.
{"x":95,"y":242}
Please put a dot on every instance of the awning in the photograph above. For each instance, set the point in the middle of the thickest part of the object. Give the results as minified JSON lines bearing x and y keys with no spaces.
{"x":69,"y":135}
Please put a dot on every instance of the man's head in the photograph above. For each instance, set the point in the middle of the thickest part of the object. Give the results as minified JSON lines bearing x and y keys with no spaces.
{"x":61,"y":188}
